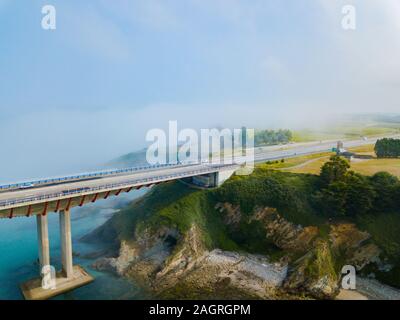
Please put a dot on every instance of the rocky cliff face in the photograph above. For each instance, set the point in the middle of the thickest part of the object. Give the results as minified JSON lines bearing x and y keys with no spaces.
{"x":310,"y":254}
{"x":189,"y":269}
{"x":176,"y":265}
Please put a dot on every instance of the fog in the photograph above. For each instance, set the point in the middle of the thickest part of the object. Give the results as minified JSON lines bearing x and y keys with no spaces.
{"x":74,"y":98}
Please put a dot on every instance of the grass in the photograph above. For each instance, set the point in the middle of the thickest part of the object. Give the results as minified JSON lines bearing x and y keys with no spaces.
{"x":384,"y":229}
{"x":370,"y":167}
{"x":365,"y":167}
{"x":311,"y":167}
{"x":175,"y":205}
{"x":323,"y":264}
{"x":312,"y":135}
{"x":312,"y":164}
{"x":292,"y":162}
{"x":362,"y":130}
{"x":369,"y":148}
{"x":351,"y":130}
{"x":287,"y":192}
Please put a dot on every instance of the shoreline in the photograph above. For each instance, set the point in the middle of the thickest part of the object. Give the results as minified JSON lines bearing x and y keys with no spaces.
{"x":370,"y":289}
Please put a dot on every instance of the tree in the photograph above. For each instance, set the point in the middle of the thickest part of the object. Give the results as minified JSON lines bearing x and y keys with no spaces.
{"x":360,"y":194}
{"x":385,"y":186}
{"x":387,"y":148}
{"x":272,"y":137}
{"x":334,"y":170}
{"x":332,"y":200}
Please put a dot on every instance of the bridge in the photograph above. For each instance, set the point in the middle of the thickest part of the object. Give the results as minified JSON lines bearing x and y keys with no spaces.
{"x":40,"y":197}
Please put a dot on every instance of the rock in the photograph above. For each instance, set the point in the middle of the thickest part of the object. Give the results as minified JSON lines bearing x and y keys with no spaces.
{"x":346,"y":235}
{"x":104,"y":264}
{"x":365,"y":255}
{"x":314,"y":273}
{"x":222,"y":272}
{"x":232,"y":214}
{"x":348,"y":239}
{"x":175,"y":265}
{"x":284,"y":234}
{"x":200,"y":271}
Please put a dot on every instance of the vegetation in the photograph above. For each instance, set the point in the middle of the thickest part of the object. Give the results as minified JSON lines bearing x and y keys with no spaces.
{"x":346,"y":193}
{"x":312,"y":164}
{"x":284,"y":191}
{"x":303,"y":199}
{"x":272,"y":137}
{"x":174,"y":205}
{"x":334,"y":170}
{"x":387,"y":148}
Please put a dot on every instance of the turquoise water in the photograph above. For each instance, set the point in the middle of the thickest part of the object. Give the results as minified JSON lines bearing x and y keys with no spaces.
{"x":19,"y":252}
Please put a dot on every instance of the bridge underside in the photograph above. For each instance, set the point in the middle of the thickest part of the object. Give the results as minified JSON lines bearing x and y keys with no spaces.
{"x":211,"y":180}
{"x":43,"y":208}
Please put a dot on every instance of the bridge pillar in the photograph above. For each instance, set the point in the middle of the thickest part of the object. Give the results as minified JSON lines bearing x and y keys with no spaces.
{"x":43,"y":240}
{"x":66,"y":243}
{"x":69,"y":278}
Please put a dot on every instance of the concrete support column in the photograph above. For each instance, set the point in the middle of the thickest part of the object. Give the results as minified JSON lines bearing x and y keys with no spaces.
{"x":216,"y":179}
{"x":66,"y":243}
{"x":43,"y":240}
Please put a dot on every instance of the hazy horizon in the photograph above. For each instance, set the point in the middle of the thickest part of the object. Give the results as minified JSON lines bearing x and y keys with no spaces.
{"x":87,"y":92}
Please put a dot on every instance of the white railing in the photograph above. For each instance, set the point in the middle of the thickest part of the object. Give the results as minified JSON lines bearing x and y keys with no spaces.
{"x":89,"y":175}
{"x":113,"y":186}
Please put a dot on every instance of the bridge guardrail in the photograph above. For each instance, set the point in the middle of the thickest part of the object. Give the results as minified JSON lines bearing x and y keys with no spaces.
{"x":161,"y":178}
{"x":84,"y":175}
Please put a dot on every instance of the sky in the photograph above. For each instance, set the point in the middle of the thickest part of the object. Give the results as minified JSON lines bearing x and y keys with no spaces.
{"x":75,"y":97}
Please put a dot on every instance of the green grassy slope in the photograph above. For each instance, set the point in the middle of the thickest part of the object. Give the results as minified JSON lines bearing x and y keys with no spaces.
{"x":175,"y":205}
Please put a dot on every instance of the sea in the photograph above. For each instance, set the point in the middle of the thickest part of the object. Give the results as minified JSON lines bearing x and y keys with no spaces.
{"x":19,"y":252}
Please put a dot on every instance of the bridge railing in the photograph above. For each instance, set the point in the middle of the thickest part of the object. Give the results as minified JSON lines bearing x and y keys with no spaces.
{"x":90,"y":175}
{"x":113,"y":186}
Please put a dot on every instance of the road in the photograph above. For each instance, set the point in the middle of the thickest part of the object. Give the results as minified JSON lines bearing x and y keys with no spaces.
{"x":301,"y":149}
{"x":173,"y":172}
{"x":136,"y":178}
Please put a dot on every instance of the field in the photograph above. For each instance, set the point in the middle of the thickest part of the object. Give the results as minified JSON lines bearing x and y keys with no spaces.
{"x":370,"y":167}
{"x":312,"y":164}
{"x":351,"y":131}
{"x":293,"y":162}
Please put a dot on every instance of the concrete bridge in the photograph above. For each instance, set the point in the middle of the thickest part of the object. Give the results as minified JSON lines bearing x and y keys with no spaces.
{"x":38,"y":198}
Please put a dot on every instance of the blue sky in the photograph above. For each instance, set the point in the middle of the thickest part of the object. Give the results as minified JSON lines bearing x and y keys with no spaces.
{"x":77,"y":96}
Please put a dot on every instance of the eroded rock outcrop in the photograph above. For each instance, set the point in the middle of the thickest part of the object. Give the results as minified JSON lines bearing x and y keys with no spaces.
{"x":180,"y":265}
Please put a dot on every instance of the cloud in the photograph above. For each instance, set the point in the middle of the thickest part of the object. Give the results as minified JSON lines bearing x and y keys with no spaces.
{"x":276,"y":69}
{"x":157,"y":15}
{"x":93,"y":33}
{"x":369,"y":53}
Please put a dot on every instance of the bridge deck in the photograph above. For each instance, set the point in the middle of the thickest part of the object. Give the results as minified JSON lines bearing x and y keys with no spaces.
{"x":29,"y":201}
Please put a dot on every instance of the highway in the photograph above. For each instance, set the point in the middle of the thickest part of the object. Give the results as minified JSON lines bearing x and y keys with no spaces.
{"x":124,"y":178}
{"x":301,"y":149}
{"x":137,"y":178}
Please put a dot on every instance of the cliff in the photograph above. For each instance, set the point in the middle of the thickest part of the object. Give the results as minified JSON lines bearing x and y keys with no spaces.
{"x":255,"y":237}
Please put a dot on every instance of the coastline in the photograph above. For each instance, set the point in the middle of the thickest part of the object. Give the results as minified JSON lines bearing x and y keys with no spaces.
{"x":369,"y":289}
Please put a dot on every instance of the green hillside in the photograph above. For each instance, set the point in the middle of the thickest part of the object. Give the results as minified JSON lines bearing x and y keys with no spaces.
{"x":297,"y":201}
